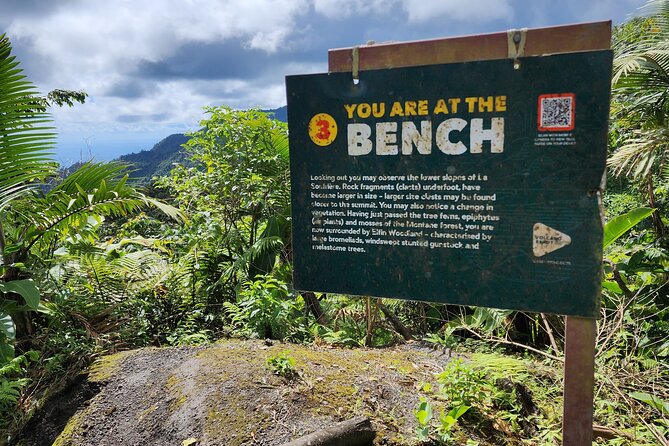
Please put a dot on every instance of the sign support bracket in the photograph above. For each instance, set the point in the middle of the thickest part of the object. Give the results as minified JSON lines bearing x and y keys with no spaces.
{"x":516,"y":41}
{"x":355,"y":64}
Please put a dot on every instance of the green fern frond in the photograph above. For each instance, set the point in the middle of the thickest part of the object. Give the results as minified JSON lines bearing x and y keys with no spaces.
{"x":497,"y":365}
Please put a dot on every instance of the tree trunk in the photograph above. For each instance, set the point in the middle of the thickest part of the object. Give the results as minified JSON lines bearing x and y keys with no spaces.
{"x":396,"y":323}
{"x":24,"y":329}
{"x":657,"y":219}
{"x":354,"y":432}
{"x":314,"y":306}
{"x":370,"y":318}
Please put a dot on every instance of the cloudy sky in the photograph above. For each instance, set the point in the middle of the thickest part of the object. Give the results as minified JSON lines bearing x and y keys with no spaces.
{"x":149,"y":66}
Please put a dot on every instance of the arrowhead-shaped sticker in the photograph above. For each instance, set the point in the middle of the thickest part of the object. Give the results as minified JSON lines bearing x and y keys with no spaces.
{"x":546,"y":239}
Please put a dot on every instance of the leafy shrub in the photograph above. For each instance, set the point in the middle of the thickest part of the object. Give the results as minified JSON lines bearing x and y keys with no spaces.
{"x":462,"y":387}
{"x":461,"y":384}
{"x":13,"y":381}
{"x":282,"y":365}
{"x":267,"y":309}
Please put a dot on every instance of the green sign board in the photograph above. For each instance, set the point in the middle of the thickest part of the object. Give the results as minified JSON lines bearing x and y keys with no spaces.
{"x":469,"y":183}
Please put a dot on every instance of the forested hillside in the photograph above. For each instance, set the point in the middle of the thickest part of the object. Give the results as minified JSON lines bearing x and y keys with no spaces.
{"x":159,"y":160}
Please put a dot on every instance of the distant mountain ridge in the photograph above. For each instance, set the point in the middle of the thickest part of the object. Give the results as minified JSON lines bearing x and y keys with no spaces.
{"x":158,"y":161}
{"x":280,"y":114}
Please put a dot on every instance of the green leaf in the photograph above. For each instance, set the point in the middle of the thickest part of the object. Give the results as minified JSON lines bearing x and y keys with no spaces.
{"x":6,"y":352}
{"x":25,"y":288}
{"x":458,"y":411}
{"x":423,"y":417}
{"x":9,"y":249}
{"x":618,"y":226}
{"x":612,"y":286}
{"x":7,"y":326}
{"x":424,"y":412}
{"x":42,"y":308}
{"x":423,"y":433}
{"x":652,"y":400}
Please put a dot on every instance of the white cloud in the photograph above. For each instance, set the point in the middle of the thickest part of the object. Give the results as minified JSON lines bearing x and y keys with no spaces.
{"x":339,"y":9}
{"x":101,"y":38}
{"x":96,"y":45}
{"x":458,"y":10}
{"x":417,"y":10}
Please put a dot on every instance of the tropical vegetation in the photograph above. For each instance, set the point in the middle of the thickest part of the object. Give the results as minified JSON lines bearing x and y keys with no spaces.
{"x":90,"y":264}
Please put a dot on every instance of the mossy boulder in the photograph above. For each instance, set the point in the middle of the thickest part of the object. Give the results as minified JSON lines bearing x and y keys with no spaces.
{"x":226,"y":393}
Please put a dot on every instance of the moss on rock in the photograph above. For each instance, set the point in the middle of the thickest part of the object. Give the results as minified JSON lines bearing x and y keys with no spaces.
{"x":225,"y":393}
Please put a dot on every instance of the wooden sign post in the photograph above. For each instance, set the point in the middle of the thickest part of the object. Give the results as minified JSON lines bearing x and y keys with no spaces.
{"x":579,"y":380}
{"x":428,"y":170}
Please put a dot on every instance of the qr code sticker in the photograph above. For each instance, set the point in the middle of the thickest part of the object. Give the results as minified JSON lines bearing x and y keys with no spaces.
{"x":556,"y":112}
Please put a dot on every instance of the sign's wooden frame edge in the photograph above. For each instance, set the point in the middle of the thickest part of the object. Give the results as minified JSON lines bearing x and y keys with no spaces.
{"x":538,"y":41}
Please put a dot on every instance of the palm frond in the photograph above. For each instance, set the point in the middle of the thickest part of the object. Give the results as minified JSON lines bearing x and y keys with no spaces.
{"x":26,"y":137}
{"x":640,"y":84}
{"x":637,"y":157}
{"x":90,"y":175}
{"x":648,"y":67}
{"x":659,"y":10}
{"x":93,"y":189}
{"x":258,"y":259}
{"x":109,"y":278}
{"x":172,"y":212}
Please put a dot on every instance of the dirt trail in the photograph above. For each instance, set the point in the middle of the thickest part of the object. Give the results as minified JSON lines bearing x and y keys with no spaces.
{"x":226,"y":394}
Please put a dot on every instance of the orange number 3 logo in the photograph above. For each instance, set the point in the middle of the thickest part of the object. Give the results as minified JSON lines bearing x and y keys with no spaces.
{"x":322,"y":129}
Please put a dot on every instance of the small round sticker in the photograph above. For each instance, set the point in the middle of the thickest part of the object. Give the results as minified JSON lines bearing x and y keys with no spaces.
{"x":322,"y":129}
